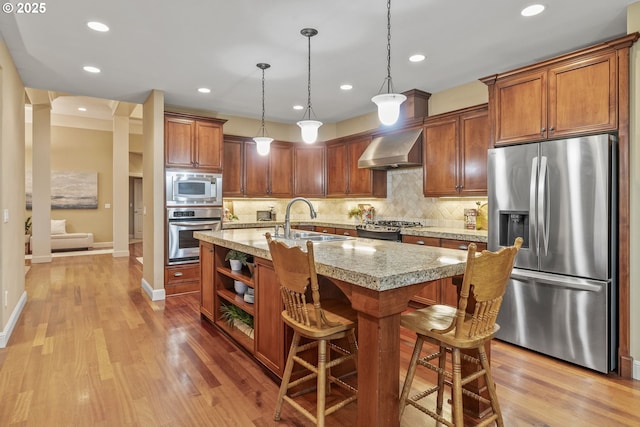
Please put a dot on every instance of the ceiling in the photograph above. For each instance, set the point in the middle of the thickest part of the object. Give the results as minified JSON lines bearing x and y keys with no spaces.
{"x":178,"y":47}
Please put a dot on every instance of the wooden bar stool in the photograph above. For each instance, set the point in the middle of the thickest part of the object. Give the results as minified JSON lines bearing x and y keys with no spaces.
{"x":321,"y":324}
{"x":452,"y":329}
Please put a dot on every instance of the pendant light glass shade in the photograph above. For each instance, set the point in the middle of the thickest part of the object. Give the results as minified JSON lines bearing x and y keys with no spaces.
{"x":388,"y":103}
{"x":263,"y":142}
{"x":309,"y":130}
{"x":309,"y":127}
{"x":389,"y":107}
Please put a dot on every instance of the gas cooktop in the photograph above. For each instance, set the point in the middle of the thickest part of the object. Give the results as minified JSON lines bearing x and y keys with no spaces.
{"x":387,"y":225}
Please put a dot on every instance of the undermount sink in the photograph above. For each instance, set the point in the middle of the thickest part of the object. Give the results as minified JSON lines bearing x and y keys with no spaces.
{"x":313,"y":236}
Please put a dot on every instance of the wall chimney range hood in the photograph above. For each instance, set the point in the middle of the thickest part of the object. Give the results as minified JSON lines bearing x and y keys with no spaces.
{"x":402,"y":149}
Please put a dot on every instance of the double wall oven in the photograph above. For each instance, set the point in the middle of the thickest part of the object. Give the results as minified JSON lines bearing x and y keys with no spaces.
{"x":194,"y":203}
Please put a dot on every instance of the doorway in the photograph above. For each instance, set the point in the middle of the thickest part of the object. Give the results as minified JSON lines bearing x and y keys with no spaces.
{"x":136,"y":208}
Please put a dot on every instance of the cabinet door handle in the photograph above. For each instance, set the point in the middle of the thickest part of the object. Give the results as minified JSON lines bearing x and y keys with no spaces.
{"x":419,"y":242}
{"x":177,"y":274}
{"x":552,"y":128}
{"x":324,"y":231}
{"x":464,"y":247}
{"x":543,"y":130}
{"x":346,"y":233}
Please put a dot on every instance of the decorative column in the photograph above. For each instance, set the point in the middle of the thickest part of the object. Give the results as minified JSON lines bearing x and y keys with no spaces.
{"x":120,"y":212}
{"x":41,"y":193}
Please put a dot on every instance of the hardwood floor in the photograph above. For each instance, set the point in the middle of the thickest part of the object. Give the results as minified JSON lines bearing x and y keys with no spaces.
{"x":90,"y":349}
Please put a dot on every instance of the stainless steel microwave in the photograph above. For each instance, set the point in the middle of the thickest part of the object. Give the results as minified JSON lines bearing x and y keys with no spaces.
{"x":193,"y":188}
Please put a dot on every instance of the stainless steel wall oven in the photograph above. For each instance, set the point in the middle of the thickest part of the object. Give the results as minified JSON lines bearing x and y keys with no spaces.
{"x":182,"y":247}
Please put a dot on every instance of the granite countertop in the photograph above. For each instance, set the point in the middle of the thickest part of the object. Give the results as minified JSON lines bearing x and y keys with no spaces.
{"x":439,"y":232}
{"x":374,"y":264}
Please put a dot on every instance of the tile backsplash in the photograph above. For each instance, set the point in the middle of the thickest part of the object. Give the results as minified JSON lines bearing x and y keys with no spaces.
{"x":404,"y":201}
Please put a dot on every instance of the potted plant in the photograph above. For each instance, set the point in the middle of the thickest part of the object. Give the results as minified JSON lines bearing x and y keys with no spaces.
{"x":238,"y":318}
{"x":236,"y":259}
{"x":355,"y":213}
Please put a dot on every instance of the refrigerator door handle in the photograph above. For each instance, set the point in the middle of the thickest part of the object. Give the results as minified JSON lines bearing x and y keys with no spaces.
{"x":543,"y":203}
{"x":532,"y":206}
{"x":562,"y":281}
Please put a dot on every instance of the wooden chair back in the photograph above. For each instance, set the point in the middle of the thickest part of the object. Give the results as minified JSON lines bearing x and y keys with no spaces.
{"x":296,"y":271}
{"x":486,"y":277}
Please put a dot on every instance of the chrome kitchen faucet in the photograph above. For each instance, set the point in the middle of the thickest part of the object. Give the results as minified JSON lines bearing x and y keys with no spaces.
{"x":287,"y":218}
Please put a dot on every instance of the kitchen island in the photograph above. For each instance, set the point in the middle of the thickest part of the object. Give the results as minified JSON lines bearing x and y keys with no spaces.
{"x":379,"y":278}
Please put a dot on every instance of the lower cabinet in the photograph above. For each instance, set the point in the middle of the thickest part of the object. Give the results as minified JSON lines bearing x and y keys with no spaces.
{"x":270,"y":331}
{"x":206,"y":280}
{"x":328,"y":230}
{"x":442,"y":291}
{"x":346,"y":232}
{"x":179,"y":279}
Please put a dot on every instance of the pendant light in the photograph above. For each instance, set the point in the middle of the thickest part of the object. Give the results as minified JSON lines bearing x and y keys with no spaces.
{"x":388,"y":103}
{"x":263,"y":142}
{"x":309,"y":127}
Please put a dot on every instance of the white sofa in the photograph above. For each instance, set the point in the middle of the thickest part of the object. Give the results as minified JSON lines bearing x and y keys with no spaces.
{"x":63,"y":241}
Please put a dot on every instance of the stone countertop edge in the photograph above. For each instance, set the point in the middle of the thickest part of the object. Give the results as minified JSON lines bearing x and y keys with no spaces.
{"x":374,"y":264}
{"x":448,"y":233}
{"x":267,"y":224}
{"x":428,"y":231}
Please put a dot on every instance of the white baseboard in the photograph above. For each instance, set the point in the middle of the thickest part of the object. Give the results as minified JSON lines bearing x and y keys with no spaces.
{"x":154,"y":294}
{"x":117,"y":254}
{"x":13,"y":319}
{"x":636,"y":370}
{"x":41,"y":259}
{"x":103,"y":245}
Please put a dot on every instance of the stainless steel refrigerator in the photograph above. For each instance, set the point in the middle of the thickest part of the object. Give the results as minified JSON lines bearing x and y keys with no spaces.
{"x":560,"y":196}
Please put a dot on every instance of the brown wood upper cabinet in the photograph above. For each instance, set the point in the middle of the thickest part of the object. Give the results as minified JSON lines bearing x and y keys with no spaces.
{"x":193,"y":142}
{"x":455,"y":153}
{"x":233,"y":158}
{"x":308,"y":170}
{"x":570,"y":95}
{"x":268,"y":175}
{"x":344,"y":178}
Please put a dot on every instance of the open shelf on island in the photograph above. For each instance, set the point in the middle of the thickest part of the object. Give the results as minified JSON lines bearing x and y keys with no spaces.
{"x":235,"y":333}
{"x":236,"y":275}
{"x":237,"y":300}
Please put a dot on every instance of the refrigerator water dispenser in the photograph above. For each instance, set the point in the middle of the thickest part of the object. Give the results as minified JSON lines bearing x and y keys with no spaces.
{"x":514,"y":224}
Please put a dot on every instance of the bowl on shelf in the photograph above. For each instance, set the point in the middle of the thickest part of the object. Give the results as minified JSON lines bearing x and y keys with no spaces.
{"x":240,"y":287}
{"x":248,"y":296}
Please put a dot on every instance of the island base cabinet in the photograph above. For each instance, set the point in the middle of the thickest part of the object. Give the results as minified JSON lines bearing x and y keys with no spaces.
{"x":271,"y":341}
{"x":206,"y":280}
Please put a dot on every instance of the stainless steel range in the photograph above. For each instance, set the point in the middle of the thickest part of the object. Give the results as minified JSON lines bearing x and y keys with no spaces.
{"x":384,"y":230}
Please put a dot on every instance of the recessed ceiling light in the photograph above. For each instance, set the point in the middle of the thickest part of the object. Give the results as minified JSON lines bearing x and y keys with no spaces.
{"x":91,"y":69}
{"x":98,"y":26}
{"x":82,"y":109}
{"x":346,"y":86}
{"x":204,"y":90}
{"x":532,"y":10}
{"x":417,"y":57}
{"x":298,"y":107}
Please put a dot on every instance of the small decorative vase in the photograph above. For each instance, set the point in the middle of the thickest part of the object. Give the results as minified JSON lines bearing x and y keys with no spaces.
{"x":236,"y":265}
{"x":239,"y":287}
